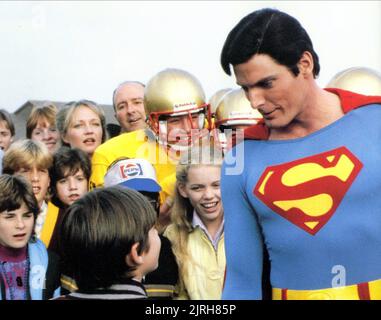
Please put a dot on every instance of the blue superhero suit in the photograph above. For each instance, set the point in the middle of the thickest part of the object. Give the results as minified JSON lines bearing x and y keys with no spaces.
{"x":314,"y":203}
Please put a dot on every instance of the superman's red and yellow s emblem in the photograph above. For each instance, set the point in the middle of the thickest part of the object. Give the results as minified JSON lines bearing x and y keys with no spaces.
{"x":308,"y":191}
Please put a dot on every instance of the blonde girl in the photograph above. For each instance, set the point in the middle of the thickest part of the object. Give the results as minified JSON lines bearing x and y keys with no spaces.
{"x":196,"y":231}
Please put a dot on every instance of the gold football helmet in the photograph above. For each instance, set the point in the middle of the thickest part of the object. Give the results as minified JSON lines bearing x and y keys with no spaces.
{"x":216,"y":98}
{"x":234,"y":109}
{"x":358,"y":79}
{"x":172,"y":93}
{"x":233,"y":112}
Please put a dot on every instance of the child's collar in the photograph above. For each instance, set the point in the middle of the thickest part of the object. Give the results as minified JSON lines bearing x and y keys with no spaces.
{"x":12,"y":254}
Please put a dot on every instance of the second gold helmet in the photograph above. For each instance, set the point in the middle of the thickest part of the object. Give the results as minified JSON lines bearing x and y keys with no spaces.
{"x":358,"y":79}
{"x":235,"y":109}
{"x":216,"y":98}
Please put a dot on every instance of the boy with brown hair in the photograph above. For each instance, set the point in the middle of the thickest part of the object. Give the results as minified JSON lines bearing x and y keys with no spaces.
{"x":109,"y":243}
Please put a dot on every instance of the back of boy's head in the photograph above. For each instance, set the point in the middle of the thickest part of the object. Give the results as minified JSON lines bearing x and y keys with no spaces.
{"x":15,"y":191}
{"x":25,"y":154}
{"x":67,"y":161}
{"x":98,"y":232}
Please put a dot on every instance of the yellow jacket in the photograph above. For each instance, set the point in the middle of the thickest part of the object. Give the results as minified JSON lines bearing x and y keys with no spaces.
{"x":49,"y":224}
{"x":136,"y":144}
{"x":205,"y":276}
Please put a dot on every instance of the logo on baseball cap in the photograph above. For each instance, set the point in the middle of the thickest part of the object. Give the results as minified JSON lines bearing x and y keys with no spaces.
{"x":137,"y":174}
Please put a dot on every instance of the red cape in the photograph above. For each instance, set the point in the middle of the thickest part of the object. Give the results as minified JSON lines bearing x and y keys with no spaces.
{"x":349,"y":101}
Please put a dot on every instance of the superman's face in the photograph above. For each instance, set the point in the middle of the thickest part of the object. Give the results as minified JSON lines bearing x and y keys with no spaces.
{"x":273,"y":89}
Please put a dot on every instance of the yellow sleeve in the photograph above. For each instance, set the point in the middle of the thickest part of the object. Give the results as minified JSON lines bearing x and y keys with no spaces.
{"x":99,"y":165}
{"x":124,"y":145}
{"x":49,"y":224}
{"x":168,"y":187}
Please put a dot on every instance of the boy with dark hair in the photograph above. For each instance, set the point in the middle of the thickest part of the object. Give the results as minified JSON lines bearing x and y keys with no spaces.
{"x":140,"y":175}
{"x":27,"y":270}
{"x":69,"y":179}
{"x":110,"y":243}
{"x":69,"y":166}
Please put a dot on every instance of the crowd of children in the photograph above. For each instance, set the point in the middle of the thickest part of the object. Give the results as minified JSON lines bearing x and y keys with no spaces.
{"x":103,"y":241}
{"x":139,"y":213}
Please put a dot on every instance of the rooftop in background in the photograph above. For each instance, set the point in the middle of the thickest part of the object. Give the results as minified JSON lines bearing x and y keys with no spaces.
{"x":20,"y":116}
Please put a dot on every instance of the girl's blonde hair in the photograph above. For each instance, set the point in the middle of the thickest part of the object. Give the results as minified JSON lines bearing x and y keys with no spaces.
{"x":182,"y":210}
